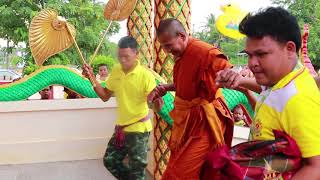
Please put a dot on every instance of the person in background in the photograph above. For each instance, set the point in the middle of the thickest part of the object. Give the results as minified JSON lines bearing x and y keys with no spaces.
{"x":239,"y":117}
{"x":46,"y":93}
{"x":102,"y":72}
{"x":69,"y":94}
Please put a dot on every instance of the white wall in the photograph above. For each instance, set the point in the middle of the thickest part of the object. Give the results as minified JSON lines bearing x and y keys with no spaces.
{"x":55,"y":130}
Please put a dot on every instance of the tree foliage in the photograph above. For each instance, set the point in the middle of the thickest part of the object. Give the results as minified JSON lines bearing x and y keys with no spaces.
{"x":209,"y":32}
{"x":85,"y":15}
{"x":230,"y":47}
{"x":101,"y":59}
{"x":306,"y":12}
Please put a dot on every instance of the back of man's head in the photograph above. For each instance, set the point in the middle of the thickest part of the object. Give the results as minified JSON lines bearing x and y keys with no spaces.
{"x":128,"y":42}
{"x":275,"y":22}
{"x":171,"y":26}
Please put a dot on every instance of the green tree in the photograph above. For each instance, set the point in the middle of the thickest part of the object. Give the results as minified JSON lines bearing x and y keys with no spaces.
{"x":209,"y":32}
{"x":101,"y":59}
{"x":230,"y":47}
{"x":306,"y":12}
{"x":85,"y":15}
{"x":233,"y":49}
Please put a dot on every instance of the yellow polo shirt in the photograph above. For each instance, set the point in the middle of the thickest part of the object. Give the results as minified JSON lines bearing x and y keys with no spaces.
{"x":131,"y":91}
{"x":291,"y":106}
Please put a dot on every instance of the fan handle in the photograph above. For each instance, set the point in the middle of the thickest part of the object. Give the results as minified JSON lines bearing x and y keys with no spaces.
{"x":100,"y":43}
{"x":80,"y":54}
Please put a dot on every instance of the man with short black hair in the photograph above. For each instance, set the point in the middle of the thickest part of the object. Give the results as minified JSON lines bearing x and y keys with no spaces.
{"x":130,"y":82}
{"x":288,"y":108}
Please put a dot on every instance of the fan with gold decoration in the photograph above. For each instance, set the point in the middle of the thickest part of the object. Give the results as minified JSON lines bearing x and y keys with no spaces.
{"x":115,"y":10}
{"x":50,"y":34}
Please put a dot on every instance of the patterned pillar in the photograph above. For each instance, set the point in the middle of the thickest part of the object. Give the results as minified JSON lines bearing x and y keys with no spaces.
{"x":162,"y":132}
{"x":179,"y":9}
{"x":140,"y":27}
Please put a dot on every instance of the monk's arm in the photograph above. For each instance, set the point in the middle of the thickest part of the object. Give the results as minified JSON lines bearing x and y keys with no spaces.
{"x":169,"y":87}
{"x":231,"y":79}
{"x":317,"y":79}
{"x":310,"y":169}
{"x":159,"y":91}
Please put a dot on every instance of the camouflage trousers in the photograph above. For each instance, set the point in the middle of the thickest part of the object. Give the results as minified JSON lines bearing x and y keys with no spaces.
{"x":135,"y":148}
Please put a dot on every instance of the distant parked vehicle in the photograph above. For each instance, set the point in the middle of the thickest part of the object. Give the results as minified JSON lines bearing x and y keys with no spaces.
{"x":7,"y":76}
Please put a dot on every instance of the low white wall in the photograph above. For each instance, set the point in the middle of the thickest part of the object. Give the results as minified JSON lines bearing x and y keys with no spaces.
{"x":55,"y":130}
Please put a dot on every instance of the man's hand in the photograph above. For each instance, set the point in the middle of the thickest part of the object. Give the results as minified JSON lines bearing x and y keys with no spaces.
{"x":154,"y":98}
{"x":229,"y":78}
{"x":157,"y":104}
{"x":87,"y":71}
{"x":246,"y":73}
{"x":156,"y":93}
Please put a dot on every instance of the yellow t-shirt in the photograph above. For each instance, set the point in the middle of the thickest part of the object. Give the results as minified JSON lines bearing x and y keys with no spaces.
{"x":131,"y":91}
{"x":291,"y":106}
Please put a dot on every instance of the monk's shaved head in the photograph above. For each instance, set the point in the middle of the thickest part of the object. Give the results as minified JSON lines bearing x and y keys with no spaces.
{"x":171,"y":27}
{"x":172,"y":37}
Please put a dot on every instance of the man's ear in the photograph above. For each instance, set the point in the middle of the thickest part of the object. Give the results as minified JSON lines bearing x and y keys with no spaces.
{"x":137,"y":52}
{"x":182,"y":35}
{"x":291,"y":47}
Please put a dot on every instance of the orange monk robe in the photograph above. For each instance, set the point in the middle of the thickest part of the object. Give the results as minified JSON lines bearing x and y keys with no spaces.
{"x":199,"y":119}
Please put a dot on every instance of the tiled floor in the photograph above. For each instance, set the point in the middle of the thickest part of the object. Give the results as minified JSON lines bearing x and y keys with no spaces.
{"x":73,"y":170}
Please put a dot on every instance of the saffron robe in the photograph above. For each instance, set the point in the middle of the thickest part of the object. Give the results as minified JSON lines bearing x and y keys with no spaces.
{"x":201,"y":122}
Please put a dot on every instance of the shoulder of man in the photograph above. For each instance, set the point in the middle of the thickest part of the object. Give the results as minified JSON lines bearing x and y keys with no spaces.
{"x":115,"y":69}
{"x":145,"y":71}
{"x":302,"y":91}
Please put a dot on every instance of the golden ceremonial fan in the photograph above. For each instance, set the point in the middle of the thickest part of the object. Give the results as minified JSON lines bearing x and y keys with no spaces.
{"x":50,"y":34}
{"x":115,"y":10}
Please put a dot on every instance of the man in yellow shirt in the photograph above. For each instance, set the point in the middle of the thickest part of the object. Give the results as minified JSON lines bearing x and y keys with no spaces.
{"x":130,"y":83}
{"x":289,"y":99}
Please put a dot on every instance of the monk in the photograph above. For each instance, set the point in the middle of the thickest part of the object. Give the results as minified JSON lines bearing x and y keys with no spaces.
{"x":200,"y":120}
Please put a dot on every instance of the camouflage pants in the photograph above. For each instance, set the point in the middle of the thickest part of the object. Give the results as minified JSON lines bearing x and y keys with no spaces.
{"x":136,"y":148}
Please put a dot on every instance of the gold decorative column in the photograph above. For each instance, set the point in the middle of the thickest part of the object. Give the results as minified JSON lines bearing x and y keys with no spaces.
{"x":179,"y":9}
{"x":163,"y":65}
{"x":140,"y":27}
